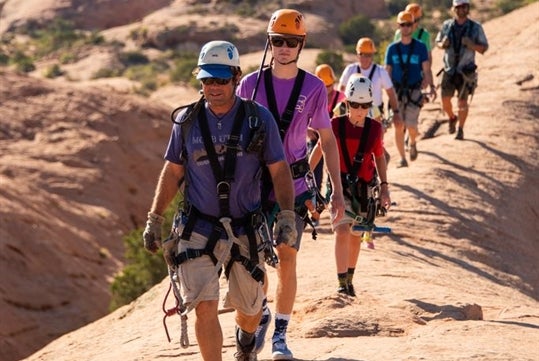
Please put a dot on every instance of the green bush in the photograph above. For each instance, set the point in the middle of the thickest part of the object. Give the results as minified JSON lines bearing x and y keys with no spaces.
{"x":357,"y":27}
{"x":143,"y":270}
{"x":53,"y":71}
{"x":332,"y":58}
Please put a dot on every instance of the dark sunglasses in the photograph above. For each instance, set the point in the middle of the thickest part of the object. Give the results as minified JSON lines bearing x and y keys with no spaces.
{"x":218,"y":81}
{"x":358,"y":105}
{"x":290,"y":42}
{"x":407,"y":25}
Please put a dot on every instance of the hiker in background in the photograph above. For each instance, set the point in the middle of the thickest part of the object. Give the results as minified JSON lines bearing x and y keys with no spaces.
{"x":461,"y":38}
{"x":298,"y":101}
{"x":379,"y":78}
{"x":359,"y":137}
{"x":327,"y":75}
{"x":222,"y":189}
{"x":419,"y":33}
{"x":407,"y":63}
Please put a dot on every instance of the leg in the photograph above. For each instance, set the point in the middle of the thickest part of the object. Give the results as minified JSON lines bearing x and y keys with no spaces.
{"x":208,"y":330}
{"x":399,"y":139}
{"x":342,"y":243}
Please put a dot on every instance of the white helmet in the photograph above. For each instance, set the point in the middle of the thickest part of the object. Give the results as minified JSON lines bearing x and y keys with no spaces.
{"x":358,"y":89}
{"x":216,"y":59}
{"x":461,"y":2}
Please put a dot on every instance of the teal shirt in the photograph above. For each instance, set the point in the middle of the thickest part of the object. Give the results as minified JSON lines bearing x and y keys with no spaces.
{"x":425,"y":37}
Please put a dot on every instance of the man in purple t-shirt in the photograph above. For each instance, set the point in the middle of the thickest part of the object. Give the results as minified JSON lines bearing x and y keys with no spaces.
{"x":216,"y":152}
{"x":297,"y":106}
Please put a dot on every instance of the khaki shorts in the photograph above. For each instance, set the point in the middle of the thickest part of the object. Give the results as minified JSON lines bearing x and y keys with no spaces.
{"x":244,"y":294}
{"x":347,"y":219}
{"x":410,"y":111}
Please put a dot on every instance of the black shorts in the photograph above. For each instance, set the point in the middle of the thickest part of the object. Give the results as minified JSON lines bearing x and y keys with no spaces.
{"x":452,"y":83}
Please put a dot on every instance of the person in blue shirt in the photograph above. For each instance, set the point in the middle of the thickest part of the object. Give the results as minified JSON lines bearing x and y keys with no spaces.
{"x":407,"y":62}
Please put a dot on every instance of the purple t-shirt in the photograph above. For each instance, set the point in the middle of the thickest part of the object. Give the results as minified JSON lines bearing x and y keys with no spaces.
{"x":310,"y":111}
{"x":245,"y":190}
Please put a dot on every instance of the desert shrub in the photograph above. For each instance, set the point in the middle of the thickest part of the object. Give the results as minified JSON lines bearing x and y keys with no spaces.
{"x":332,"y":58}
{"x":143,"y":270}
{"x":53,"y":71}
{"x":357,"y":27}
{"x":130,"y":58}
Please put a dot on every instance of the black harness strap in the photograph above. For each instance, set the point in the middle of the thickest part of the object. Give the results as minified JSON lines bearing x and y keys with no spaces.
{"x":285,"y":119}
{"x":371,"y":73}
{"x":223,"y":176}
{"x":350,"y":180}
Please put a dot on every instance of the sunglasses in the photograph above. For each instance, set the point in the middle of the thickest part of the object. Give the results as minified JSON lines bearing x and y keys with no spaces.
{"x":218,"y":81}
{"x":407,"y":25}
{"x":290,"y":42}
{"x":358,"y":105}
{"x":366,"y":55}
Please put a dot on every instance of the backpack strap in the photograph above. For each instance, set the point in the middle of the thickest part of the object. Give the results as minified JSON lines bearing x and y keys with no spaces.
{"x":284,"y":120}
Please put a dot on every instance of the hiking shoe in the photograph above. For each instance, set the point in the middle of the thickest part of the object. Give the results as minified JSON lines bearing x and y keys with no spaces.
{"x":460,"y":134}
{"x":413,"y":152}
{"x":280,"y":351}
{"x":403,"y":163}
{"x":261,"y":330}
{"x":370,"y":245}
{"x":245,"y":356}
{"x":453,"y":124}
{"x":245,"y":353}
{"x":342,"y":290}
{"x":351,"y":290}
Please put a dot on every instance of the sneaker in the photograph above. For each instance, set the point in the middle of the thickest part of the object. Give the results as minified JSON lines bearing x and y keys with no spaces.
{"x":453,"y":124}
{"x":370,"y":245}
{"x":403,"y":163}
{"x":460,"y":134}
{"x":413,"y":152}
{"x":245,"y":356}
{"x":343,"y":290}
{"x":351,"y":290}
{"x":280,"y":351}
{"x":245,"y":353}
{"x":262,"y":329}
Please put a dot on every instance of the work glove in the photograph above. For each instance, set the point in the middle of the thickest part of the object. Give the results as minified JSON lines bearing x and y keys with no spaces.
{"x":286,"y":228}
{"x":152,"y":232}
{"x":445,"y":43}
{"x":467,"y":42}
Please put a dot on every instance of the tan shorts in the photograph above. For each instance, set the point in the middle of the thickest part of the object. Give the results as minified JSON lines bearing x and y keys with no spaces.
{"x":347,"y":219}
{"x":410,"y":111}
{"x":199,"y":275}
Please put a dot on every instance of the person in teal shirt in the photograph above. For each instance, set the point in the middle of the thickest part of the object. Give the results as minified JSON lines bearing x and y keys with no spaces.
{"x":421,"y":34}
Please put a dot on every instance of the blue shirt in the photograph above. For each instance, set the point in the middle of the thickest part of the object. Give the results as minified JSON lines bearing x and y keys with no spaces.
{"x":397,"y":61}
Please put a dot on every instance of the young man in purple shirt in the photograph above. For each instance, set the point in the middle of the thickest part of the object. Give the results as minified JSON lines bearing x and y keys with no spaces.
{"x":298,"y":101}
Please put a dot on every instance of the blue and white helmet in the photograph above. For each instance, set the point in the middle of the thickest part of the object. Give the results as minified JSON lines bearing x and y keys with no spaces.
{"x":216,"y":60}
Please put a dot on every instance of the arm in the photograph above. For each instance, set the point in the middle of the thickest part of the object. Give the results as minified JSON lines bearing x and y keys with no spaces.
{"x":315,"y":157}
{"x":167,"y":186}
{"x":283,"y":184}
{"x":331,"y":157}
{"x":394,"y":103}
{"x":381,"y":166}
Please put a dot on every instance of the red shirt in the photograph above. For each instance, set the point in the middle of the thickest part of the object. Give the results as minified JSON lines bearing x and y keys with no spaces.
{"x":375,"y":146}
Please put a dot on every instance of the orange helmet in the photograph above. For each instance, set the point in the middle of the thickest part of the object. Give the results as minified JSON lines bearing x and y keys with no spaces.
{"x":326,"y":74}
{"x":415,"y":9}
{"x":405,"y":17}
{"x":365,"y":45}
{"x":287,"y":22}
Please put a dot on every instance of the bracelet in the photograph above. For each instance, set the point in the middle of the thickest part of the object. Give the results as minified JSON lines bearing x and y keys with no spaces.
{"x":384,"y":182}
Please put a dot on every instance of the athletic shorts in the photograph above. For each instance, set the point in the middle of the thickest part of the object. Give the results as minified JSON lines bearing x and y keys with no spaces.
{"x":346,"y":219}
{"x":198,"y":275}
{"x":409,"y":111}
{"x":450,"y":84}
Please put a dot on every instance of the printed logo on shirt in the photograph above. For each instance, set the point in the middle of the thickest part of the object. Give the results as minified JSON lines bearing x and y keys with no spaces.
{"x":300,"y":105}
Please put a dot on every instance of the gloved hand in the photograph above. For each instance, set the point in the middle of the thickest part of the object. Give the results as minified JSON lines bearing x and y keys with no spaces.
{"x":152,"y":232}
{"x":467,"y":42}
{"x":286,"y":228}
{"x":445,"y":43}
